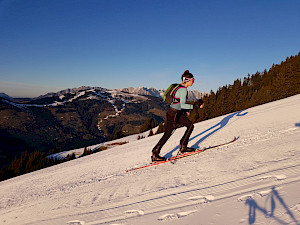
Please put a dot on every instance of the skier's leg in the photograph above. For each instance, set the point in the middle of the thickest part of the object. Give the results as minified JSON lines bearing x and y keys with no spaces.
{"x":183,"y":120}
{"x":168,"y":132}
{"x":170,"y":126}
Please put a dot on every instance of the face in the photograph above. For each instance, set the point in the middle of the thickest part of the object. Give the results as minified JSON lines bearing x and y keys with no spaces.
{"x":188,"y":83}
{"x":191,"y":82}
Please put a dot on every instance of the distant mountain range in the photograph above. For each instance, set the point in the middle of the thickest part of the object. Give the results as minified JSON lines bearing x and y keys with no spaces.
{"x":5,"y":96}
{"x":192,"y":95}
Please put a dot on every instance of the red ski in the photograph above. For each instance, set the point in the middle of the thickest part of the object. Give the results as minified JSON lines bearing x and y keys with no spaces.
{"x":172,"y":159}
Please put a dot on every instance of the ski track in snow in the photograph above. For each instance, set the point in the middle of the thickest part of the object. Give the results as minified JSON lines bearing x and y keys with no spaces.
{"x":253,"y":180}
{"x":176,"y":216}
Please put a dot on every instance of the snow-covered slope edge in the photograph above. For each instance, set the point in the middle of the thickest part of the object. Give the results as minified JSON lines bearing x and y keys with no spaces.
{"x":253,"y":180}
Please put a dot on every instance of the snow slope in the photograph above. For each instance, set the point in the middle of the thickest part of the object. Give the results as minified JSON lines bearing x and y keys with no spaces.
{"x":255,"y":180}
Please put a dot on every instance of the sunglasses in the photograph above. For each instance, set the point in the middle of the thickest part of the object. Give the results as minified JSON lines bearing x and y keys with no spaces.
{"x":185,"y":79}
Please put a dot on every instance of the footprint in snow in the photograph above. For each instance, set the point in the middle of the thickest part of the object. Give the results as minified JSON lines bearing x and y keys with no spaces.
{"x":202,"y":199}
{"x":256,"y":195}
{"x":288,"y":130}
{"x":183,"y":214}
{"x":247,"y":197}
{"x":134,"y":213}
{"x":167,"y":217}
{"x":176,"y":216}
{"x":76,"y":222}
{"x":296,"y":208}
{"x":276,"y":177}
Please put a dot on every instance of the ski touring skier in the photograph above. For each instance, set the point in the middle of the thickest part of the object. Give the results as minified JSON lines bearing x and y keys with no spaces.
{"x":177,"y":115}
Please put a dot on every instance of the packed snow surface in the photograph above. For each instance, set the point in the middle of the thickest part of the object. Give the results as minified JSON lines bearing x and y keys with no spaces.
{"x":255,"y":180}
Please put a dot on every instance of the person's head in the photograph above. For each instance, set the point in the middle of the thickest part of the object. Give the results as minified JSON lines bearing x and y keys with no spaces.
{"x":187,"y":78}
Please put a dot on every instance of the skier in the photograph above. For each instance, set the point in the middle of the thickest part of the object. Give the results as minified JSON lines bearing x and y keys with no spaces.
{"x":177,"y":114}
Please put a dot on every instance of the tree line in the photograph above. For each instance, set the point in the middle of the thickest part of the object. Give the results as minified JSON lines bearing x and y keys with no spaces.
{"x":280,"y":81}
{"x":29,"y":162}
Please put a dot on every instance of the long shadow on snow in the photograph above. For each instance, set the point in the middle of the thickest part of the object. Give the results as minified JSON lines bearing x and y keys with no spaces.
{"x":218,"y":127}
{"x":274,"y":195}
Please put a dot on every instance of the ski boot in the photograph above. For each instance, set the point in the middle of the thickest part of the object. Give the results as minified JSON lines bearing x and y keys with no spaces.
{"x":156,"y":157}
{"x":184,"y":149}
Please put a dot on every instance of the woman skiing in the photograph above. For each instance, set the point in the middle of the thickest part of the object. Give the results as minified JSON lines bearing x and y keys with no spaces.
{"x":177,"y":115}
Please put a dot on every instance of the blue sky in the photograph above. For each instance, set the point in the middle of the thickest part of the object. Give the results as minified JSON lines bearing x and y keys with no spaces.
{"x":50,"y":45}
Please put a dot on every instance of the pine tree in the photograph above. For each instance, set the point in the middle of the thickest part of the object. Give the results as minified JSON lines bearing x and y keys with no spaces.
{"x":160,"y":129}
{"x":151,"y":133}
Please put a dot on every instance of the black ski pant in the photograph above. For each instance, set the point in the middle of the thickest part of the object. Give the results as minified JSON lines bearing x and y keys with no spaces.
{"x":174,"y":119}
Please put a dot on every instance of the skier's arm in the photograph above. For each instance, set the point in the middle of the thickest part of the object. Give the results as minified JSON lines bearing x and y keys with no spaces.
{"x":182,"y":93}
{"x":199,"y":103}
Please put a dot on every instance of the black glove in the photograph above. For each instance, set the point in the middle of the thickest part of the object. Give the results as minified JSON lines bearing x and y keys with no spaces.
{"x":199,"y":102}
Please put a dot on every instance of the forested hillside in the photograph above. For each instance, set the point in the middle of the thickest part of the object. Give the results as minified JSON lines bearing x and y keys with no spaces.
{"x":280,"y":81}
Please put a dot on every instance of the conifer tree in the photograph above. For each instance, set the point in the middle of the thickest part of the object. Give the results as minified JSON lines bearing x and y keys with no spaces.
{"x":151,"y":133}
{"x":160,"y":129}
